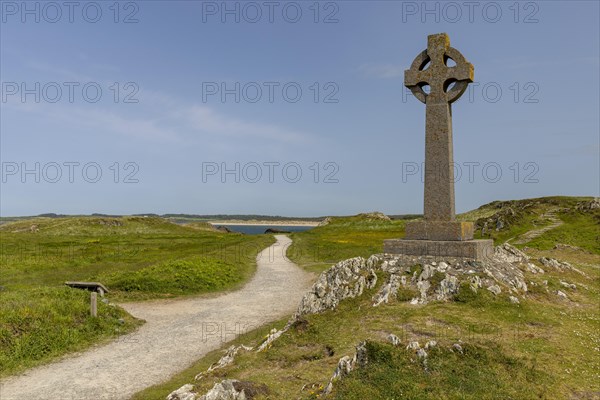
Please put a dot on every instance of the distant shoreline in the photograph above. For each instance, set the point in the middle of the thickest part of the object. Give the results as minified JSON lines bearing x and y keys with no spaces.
{"x":265,"y":223}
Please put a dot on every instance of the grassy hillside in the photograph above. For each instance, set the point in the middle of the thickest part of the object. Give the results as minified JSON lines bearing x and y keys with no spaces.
{"x":341,"y":238}
{"x":543,"y":348}
{"x":363,"y":235}
{"x":137,"y":258}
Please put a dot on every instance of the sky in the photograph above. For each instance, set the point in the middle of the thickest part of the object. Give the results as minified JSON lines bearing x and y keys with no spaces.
{"x":287,"y":108}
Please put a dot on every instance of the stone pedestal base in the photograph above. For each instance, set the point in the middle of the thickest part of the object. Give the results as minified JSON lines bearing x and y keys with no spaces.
{"x":439,"y":230}
{"x":473,"y":249}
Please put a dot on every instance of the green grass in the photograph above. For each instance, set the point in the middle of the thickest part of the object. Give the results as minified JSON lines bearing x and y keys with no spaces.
{"x":44,"y":323}
{"x":579,"y":229}
{"x":526,"y":215}
{"x":483,"y":371}
{"x":317,"y":249}
{"x":137,"y":258}
{"x":543,"y":348}
{"x":176,"y":277}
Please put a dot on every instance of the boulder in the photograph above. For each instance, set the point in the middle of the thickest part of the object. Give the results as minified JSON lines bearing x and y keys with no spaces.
{"x":224,"y":390}
{"x":393,"y":339}
{"x":183,"y":393}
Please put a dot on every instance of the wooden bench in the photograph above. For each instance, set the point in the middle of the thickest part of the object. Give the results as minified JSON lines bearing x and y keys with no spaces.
{"x":91,"y":286}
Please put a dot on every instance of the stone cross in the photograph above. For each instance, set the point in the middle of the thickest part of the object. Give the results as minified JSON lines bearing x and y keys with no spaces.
{"x":447,"y":84}
{"x":439,"y":234}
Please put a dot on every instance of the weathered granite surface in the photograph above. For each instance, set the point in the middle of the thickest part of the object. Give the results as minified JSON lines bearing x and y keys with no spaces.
{"x":439,"y":234}
{"x":430,"y":69}
{"x":473,"y":249}
{"x":439,"y":230}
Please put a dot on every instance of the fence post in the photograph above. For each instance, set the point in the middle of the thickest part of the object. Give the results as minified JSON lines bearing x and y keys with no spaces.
{"x":94,"y":304}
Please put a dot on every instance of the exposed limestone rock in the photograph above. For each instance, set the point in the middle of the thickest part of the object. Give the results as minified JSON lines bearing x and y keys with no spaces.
{"x":413,"y":346}
{"x":421,"y":353}
{"x":428,"y":271}
{"x":587,"y":206}
{"x":232,"y":389}
{"x":250,"y":389}
{"x":273,"y":335}
{"x":224,"y":390}
{"x":568,"y":285}
{"x":559,"y":265}
{"x":347,"y":364}
{"x":448,"y":287}
{"x":534,"y":269}
{"x":389,"y":289}
{"x":393,"y":339}
{"x":475,"y":283}
{"x":430,"y":344}
{"x":495,"y":289}
{"x":183,"y":393}
{"x":506,"y":252}
{"x":457,"y":347}
{"x":562,"y":295}
{"x":562,"y":246}
{"x":431,"y":278}
{"x":514,"y":300}
{"x":442,"y":267}
{"x":224,"y":361}
{"x":553,"y":263}
{"x":345,"y":279}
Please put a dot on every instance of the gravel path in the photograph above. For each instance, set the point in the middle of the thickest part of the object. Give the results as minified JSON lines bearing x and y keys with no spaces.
{"x":177,"y":333}
{"x":528,"y":236}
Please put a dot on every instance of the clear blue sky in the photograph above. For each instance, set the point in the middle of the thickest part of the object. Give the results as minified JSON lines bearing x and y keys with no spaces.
{"x":543,"y":57}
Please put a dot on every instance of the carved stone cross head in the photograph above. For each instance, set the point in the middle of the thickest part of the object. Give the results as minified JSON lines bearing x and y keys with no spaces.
{"x":430,"y":68}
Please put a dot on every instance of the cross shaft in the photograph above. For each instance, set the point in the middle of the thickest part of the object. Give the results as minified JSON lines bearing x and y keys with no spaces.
{"x":446,"y":84}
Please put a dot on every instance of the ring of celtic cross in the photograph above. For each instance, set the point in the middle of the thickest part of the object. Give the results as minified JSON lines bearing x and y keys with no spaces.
{"x":430,"y":68}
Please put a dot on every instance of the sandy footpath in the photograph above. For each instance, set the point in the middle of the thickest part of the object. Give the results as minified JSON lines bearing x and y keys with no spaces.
{"x":176,"y":333}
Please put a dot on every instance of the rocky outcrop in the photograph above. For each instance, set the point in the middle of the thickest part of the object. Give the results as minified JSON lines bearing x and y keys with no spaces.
{"x":272,"y":336}
{"x":186,"y":392}
{"x":229,"y":389}
{"x":587,"y":206}
{"x":347,"y":364}
{"x":429,"y":278}
{"x":360,"y":359}
{"x":224,"y":361}
{"x":559,"y":265}
{"x":224,"y":390}
{"x":345,"y":279}
{"x":507,"y":215}
{"x":375,"y":216}
{"x":389,"y":289}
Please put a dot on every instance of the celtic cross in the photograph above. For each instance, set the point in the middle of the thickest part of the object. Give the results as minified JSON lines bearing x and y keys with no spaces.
{"x":446,"y":84}
{"x":437,"y":82}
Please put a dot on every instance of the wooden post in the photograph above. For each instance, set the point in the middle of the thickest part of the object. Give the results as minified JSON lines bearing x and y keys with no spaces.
{"x":94,"y":304}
